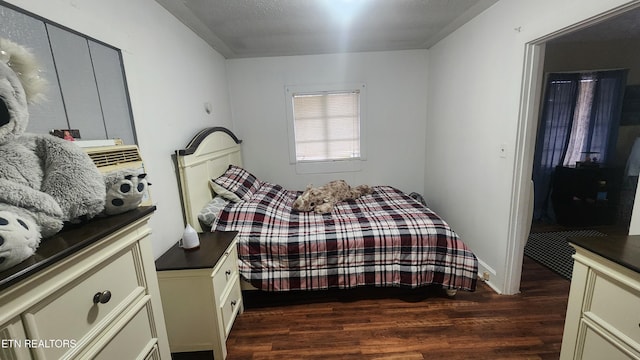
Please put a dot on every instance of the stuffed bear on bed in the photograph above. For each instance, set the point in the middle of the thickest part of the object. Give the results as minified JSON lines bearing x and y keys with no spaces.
{"x":322,"y":199}
{"x":45,"y":181}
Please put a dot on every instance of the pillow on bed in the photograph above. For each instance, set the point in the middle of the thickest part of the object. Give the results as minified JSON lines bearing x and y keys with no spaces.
{"x":236,"y":184}
{"x":210,"y":211}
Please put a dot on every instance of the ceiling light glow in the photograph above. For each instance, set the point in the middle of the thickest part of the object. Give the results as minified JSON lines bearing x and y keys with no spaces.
{"x":343,"y":11}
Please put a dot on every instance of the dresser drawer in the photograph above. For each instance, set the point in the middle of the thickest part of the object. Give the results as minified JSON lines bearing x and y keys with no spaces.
{"x":598,"y":348}
{"x":12,"y":341}
{"x":227,"y":274}
{"x":230,"y":306}
{"x":71,"y":314}
{"x":134,"y":341}
{"x":154,"y":354}
{"x":617,"y":305}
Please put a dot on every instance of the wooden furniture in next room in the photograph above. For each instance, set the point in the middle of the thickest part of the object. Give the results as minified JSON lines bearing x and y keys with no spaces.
{"x":603,"y":317}
{"x":586,"y":195}
{"x":89,"y":292}
{"x":200,"y":292}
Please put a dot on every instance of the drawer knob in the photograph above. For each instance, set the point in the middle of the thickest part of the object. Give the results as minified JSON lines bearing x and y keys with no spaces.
{"x":233,"y":303}
{"x":102,"y":297}
{"x":228,"y":272}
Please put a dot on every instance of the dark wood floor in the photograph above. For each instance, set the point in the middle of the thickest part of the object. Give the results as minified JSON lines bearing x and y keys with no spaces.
{"x":374,"y":324}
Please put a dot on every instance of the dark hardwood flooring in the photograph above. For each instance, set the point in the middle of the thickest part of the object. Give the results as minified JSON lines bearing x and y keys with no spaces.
{"x":395,"y":324}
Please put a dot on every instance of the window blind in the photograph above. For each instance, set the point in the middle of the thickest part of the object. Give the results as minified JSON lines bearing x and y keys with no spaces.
{"x":327,"y":125}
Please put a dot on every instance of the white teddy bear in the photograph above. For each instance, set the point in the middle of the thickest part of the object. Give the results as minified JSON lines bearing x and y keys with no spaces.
{"x":45,"y":181}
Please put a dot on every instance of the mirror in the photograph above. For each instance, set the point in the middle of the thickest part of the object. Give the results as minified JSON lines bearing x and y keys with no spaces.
{"x":87,"y":85}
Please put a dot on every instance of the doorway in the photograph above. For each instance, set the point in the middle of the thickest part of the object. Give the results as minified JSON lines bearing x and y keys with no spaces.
{"x":582,"y":146}
{"x":535,"y":60}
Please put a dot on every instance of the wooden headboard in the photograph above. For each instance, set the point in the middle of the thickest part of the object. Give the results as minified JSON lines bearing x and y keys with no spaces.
{"x":207,"y":156}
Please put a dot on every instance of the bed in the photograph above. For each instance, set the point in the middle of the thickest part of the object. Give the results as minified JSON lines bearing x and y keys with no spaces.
{"x":383,"y":239}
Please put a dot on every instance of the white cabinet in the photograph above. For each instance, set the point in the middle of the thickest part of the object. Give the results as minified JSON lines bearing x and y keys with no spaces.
{"x":100,"y":302}
{"x":12,"y":336}
{"x":603,"y":314}
{"x":201,"y":294}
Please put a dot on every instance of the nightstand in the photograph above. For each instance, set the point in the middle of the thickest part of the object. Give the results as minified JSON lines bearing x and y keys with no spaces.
{"x":200,"y":292}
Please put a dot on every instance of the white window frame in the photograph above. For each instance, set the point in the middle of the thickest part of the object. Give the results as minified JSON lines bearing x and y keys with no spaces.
{"x":325,"y":166}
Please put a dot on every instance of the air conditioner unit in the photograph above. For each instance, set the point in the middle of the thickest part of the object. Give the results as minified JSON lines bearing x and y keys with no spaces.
{"x":118,"y":157}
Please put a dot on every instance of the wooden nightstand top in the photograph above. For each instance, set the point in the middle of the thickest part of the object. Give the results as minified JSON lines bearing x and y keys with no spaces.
{"x":212,"y":247}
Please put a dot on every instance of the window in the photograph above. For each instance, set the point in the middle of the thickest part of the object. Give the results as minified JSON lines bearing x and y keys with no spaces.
{"x":580,"y":144}
{"x":579,"y":123}
{"x":325,"y":124}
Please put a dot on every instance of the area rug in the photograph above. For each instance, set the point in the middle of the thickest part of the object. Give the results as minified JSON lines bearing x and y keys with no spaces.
{"x":552,"y":249}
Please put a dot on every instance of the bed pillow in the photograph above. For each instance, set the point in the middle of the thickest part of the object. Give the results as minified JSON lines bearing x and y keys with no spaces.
{"x":236,"y":184}
{"x":221,"y":191}
{"x":209,"y":212}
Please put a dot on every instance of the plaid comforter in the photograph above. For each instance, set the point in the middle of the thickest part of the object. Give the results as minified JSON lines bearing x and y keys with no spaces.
{"x":382,"y":239}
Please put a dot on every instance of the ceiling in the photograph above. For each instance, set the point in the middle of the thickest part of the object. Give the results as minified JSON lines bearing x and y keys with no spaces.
{"x":259,"y":28}
{"x":624,"y":26}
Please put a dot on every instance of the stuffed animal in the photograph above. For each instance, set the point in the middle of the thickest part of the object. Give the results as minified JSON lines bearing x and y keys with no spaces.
{"x":322,"y":199}
{"x":125,"y":190}
{"x":45,"y":181}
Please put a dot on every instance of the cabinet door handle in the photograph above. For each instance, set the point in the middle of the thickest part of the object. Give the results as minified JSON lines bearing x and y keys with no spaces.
{"x":102,"y":297}
{"x":228,"y":272}
{"x":233,"y":303}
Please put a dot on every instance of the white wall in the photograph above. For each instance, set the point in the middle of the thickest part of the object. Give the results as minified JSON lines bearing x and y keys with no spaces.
{"x":171,"y":73}
{"x":474,"y":96}
{"x":473,"y":91}
{"x":396,"y":109}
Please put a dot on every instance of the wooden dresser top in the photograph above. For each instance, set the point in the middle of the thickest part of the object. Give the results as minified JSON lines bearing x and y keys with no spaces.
{"x":68,"y":241}
{"x":621,"y":249}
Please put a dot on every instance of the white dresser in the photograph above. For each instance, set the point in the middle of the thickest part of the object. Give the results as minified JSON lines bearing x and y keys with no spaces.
{"x":603,"y":314}
{"x":89,"y":293}
{"x":201,"y":293}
